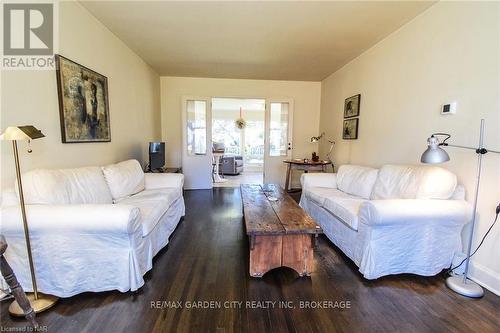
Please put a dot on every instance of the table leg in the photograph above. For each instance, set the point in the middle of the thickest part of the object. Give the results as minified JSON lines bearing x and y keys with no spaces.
{"x":217,"y":177}
{"x":298,"y":253}
{"x":287,"y":181}
{"x":265,"y":254}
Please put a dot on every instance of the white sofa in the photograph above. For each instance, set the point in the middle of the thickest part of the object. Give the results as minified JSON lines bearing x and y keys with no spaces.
{"x":398,"y":219}
{"x":92,"y":228}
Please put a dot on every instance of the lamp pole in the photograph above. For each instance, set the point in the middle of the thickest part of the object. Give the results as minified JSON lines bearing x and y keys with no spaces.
{"x":329,"y":155}
{"x":25,"y":221}
{"x":434,"y":154}
{"x":460,"y":284}
{"x":476,"y":195}
{"x":39,"y":302}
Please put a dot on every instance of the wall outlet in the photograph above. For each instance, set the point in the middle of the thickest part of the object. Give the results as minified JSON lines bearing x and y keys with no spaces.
{"x":450,"y":108}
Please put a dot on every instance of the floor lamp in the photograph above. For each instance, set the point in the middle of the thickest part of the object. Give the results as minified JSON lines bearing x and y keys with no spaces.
{"x":315,"y":139}
{"x":435,"y":154}
{"x":39,"y":302}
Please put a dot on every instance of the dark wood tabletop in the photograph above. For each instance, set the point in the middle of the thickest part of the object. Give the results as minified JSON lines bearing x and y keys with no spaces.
{"x":308,"y":162}
{"x":269,"y":210}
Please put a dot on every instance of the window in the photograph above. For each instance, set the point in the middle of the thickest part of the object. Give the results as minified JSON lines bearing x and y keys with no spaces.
{"x":196,"y":127}
{"x":278,"y":129}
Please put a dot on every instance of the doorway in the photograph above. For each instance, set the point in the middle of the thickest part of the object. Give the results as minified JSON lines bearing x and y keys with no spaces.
{"x":243,"y":141}
{"x":249,"y":153}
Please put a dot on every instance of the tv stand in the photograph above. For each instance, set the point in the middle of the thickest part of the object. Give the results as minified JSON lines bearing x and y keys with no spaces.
{"x":165,"y":170}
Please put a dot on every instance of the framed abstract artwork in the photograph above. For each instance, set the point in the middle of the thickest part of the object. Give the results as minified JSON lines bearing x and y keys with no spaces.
{"x":350,"y":129}
{"x":83,"y":103}
{"x":351,"y":106}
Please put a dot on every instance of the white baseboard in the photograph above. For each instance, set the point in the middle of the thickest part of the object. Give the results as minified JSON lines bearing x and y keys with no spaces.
{"x":485,"y":277}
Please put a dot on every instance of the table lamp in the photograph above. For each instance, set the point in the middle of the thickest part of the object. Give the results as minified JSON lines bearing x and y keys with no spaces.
{"x":39,"y":302}
{"x":315,"y":139}
{"x":435,"y":154}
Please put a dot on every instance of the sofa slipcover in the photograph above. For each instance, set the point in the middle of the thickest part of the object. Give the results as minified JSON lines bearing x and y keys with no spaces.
{"x":81,"y":241}
{"x":417,"y":232}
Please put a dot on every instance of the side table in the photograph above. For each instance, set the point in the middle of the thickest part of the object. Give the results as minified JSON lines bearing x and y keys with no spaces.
{"x":304,"y":165}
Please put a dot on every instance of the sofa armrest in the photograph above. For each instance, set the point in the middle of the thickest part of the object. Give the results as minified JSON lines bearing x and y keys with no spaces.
{"x":318,"y":180}
{"x":87,"y":219}
{"x":155,"y":181}
{"x":405,"y":211}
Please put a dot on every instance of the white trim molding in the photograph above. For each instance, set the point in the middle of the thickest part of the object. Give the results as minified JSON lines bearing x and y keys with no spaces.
{"x":485,"y":277}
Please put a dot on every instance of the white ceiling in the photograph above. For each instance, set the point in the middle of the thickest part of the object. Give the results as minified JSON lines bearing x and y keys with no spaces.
{"x":252,"y":40}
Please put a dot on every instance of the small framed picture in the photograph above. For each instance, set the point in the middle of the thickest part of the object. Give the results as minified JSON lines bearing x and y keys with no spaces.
{"x":350,"y":130}
{"x":351,"y":106}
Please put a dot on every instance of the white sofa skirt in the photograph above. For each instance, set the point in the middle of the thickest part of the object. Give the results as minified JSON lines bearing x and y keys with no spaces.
{"x":424,"y":248}
{"x":69,"y":264}
{"x":338,"y":233}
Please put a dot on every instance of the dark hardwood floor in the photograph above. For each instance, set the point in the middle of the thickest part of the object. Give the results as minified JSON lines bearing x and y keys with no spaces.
{"x":207,"y":260}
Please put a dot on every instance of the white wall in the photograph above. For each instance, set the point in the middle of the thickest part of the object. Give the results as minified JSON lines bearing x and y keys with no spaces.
{"x":306,"y":96}
{"x":451,"y":52}
{"x":30,"y":97}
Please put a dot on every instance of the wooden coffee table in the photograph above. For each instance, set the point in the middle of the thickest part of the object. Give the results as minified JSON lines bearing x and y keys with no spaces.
{"x":281,"y":233}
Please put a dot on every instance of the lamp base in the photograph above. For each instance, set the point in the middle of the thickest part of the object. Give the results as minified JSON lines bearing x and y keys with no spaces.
{"x":469,"y":288}
{"x":43,"y":303}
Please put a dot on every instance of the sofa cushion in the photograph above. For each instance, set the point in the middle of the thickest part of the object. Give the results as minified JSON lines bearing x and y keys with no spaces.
{"x":124,"y":178}
{"x":320,"y":194}
{"x":153,"y":204}
{"x":356,"y":180}
{"x":414,"y":182}
{"x":65,"y":186}
{"x":346,"y":209}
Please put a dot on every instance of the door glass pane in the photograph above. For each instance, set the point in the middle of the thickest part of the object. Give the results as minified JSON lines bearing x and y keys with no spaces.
{"x":254,"y":140}
{"x":278,"y":129}
{"x":196,"y":127}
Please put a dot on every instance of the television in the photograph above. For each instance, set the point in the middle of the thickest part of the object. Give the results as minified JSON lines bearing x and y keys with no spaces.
{"x":156,"y":155}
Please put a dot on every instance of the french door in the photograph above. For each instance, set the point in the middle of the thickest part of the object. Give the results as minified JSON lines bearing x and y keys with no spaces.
{"x":278,"y":139}
{"x":197,"y":142}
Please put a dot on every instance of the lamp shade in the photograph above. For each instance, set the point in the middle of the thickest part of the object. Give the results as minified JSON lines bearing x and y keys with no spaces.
{"x":317,"y":138}
{"x":27,"y":132}
{"x":434,"y":154}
